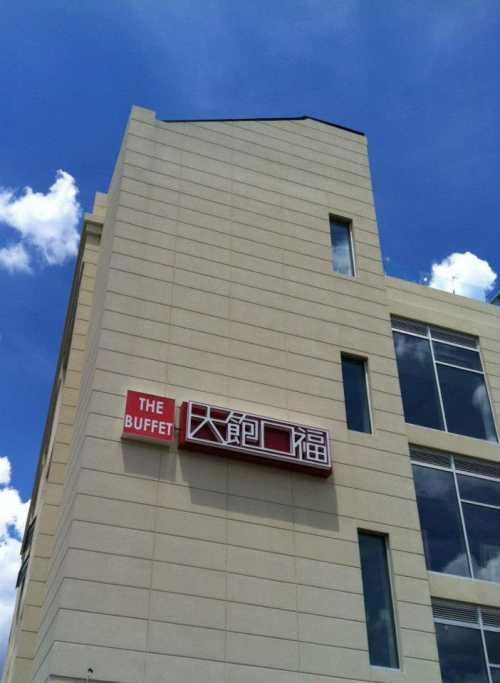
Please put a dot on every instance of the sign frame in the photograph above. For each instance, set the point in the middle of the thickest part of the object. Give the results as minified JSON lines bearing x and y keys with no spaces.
{"x":255,"y":453}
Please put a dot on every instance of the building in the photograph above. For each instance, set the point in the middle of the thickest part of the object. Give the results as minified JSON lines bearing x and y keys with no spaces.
{"x":237,"y":264}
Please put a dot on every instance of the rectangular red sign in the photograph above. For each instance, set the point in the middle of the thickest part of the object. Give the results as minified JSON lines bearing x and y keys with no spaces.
{"x":149,"y":417}
{"x":223,"y":430}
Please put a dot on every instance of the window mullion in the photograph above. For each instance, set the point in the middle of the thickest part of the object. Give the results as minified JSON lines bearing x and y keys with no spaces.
{"x":483,"y":640}
{"x":469,"y":473}
{"x":462,"y":518}
{"x":459,"y":367}
{"x":488,"y":394}
{"x":441,"y":468}
{"x":411,"y":334}
{"x":475,"y":349}
{"x":369,"y":399}
{"x":482,"y":505}
{"x":437,"y":380}
{"x":455,"y":622}
{"x":353,"y":253}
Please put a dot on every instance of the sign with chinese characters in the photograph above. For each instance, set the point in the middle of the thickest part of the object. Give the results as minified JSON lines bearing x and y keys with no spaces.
{"x":149,"y":417}
{"x":223,"y":430}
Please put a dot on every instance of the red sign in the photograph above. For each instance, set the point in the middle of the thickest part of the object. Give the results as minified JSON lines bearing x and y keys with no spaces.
{"x":254,"y":437}
{"x":149,"y":417}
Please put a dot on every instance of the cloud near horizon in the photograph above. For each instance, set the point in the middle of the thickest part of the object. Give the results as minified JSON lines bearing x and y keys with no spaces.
{"x":464,"y":274}
{"x":13,"y":513}
{"x":46,"y":224}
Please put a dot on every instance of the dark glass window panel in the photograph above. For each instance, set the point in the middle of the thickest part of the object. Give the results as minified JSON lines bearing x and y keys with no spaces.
{"x":495,"y":673}
{"x":418,"y":381}
{"x":493,"y":646}
{"x":461,"y":654}
{"x":442,"y":533}
{"x":341,"y":247}
{"x":457,"y":356}
{"x":466,"y":403}
{"x":382,"y":643}
{"x":356,"y":394}
{"x":483,"y":531}
{"x":480,"y":490}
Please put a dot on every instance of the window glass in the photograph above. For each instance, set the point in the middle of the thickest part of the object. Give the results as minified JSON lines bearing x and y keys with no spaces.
{"x":442,"y":533}
{"x":455,"y":355}
{"x":356,"y":394}
{"x":493,"y":646}
{"x":417,"y":380}
{"x":495,"y":673}
{"x":466,"y":403}
{"x":483,"y":531}
{"x":380,"y":624}
{"x":461,"y":654}
{"x":480,"y":490}
{"x":342,"y":258}
{"x":442,"y":382}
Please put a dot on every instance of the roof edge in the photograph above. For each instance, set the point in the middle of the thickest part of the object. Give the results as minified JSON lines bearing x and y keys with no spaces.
{"x":268,"y":118}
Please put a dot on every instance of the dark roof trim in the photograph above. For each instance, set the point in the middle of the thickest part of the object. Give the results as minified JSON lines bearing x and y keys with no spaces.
{"x":268,"y":118}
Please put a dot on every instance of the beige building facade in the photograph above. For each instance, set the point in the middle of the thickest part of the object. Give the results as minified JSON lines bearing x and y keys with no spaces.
{"x":205,"y":274}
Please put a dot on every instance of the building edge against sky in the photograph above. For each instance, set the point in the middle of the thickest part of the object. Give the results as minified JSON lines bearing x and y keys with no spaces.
{"x":205,"y":274}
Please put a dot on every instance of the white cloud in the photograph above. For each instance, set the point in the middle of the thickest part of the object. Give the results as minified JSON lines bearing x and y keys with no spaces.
{"x":464,"y":274}
{"x":47,"y":223}
{"x":4,"y":471}
{"x":15,"y":258}
{"x":9,"y":565}
{"x":13,"y":513}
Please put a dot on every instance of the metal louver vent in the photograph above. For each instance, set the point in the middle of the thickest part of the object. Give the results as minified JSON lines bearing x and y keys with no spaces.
{"x":477,"y":467}
{"x":491,"y":616}
{"x":455,"y":611}
{"x":429,"y":457}
{"x":440,"y":334}
{"x":445,"y":610}
{"x":405,"y":325}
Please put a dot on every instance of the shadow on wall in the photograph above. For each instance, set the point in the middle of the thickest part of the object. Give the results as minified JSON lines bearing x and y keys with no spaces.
{"x":141,"y":459}
{"x":244,"y":491}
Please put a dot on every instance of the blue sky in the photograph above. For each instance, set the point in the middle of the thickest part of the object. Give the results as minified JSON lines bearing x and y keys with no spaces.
{"x":420,"y":78}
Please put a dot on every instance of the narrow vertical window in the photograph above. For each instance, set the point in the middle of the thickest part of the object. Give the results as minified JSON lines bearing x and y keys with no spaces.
{"x":357,"y":406}
{"x":382,"y":643}
{"x":342,"y":254}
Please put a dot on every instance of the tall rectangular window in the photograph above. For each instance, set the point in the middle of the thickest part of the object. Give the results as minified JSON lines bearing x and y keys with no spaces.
{"x":380,"y":624}
{"x":459,"y":506}
{"x":468,"y":640}
{"x":442,"y":380}
{"x":357,"y":406}
{"x":342,"y":251}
